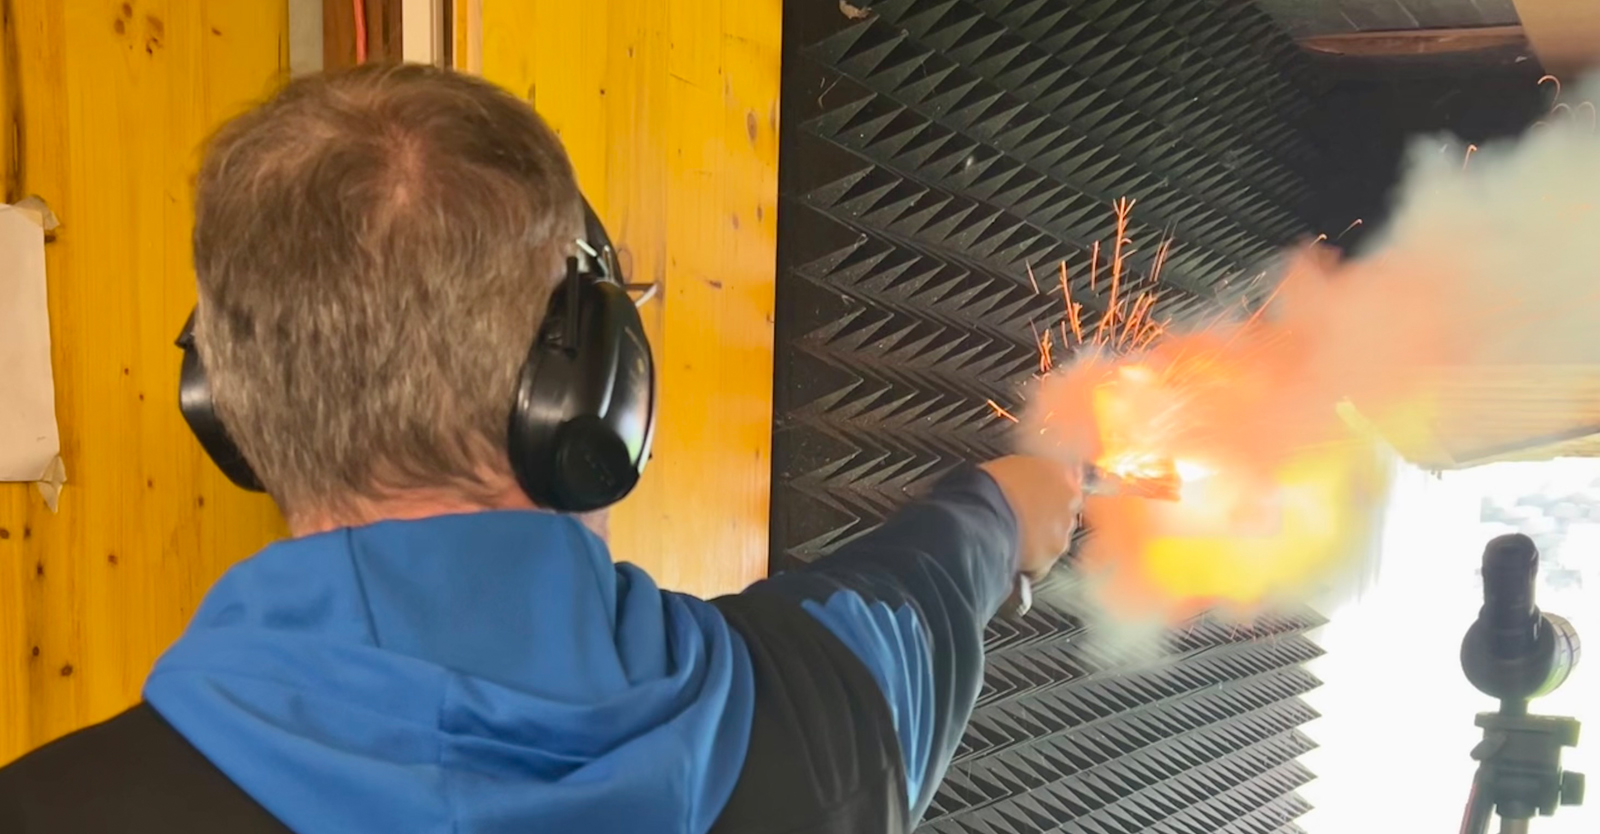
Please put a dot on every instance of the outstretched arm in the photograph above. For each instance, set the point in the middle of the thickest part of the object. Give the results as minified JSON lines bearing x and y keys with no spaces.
{"x":911,"y":599}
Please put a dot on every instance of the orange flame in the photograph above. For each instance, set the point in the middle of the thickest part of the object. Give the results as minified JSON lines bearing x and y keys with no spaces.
{"x":1264,"y":500}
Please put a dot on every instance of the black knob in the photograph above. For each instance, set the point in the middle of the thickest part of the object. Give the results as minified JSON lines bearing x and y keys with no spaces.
{"x":1571,"y":788}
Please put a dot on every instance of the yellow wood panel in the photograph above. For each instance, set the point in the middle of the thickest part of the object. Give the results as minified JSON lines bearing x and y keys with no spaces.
{"x":1564,"y":33}
{"x":669,"y":109}
{"x":115,"y":98}
{"x":467,"y":33}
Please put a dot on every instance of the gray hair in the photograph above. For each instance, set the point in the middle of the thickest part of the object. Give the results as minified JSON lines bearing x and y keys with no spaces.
{"x":375,"y":250}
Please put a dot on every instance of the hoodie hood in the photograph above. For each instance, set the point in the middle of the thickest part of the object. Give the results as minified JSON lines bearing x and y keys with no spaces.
{"x":469,"y":674}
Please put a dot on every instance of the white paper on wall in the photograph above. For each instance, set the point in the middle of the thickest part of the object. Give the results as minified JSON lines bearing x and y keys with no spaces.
{"x":30,"y":444}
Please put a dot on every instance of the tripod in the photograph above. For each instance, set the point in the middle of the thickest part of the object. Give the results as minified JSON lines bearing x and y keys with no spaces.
{"x":1515,"y":652}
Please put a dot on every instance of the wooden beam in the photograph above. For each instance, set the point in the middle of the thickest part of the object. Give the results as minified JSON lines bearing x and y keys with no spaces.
{"x":385,"y":30}
{"x":382,"y":21}
{"x":338,"y":34}
{"x":1489,"y":454}
{"x":1401,"y":43}
{"x":1564,"y":33}
{"x":466,"y":35}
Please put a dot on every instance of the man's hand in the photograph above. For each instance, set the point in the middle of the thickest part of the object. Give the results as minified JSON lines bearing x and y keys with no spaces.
{"x":1046,"y":497}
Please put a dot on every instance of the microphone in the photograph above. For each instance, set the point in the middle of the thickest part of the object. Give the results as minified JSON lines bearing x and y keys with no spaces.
{"x":1514,"y":651}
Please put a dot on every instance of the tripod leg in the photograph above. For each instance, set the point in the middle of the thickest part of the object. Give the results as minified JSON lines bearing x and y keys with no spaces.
{"x":1480,"y":807}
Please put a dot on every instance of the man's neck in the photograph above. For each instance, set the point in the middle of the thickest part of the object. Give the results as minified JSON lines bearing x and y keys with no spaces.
{"x":407,"y":506}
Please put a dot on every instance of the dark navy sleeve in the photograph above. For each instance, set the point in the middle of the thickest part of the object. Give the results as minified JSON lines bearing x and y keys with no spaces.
{"x":911,"y":600}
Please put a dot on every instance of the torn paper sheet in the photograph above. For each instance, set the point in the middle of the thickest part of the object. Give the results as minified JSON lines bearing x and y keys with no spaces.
{"x":30,"y":445}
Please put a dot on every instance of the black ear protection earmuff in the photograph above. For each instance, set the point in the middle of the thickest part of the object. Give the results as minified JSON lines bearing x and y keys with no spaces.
{"x":194,"y":401}
{"x":583,"y":413}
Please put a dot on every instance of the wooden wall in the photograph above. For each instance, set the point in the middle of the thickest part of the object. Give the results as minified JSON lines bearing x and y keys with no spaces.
{"x":670,"y":112}
{"x":669,"y":109}
{"x":1566,"y":34}
{"x":112,"y":100}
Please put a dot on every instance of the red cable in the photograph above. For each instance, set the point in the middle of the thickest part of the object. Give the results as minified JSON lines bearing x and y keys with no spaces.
{"x":361,"y":31}
{"x":1472,"y":806}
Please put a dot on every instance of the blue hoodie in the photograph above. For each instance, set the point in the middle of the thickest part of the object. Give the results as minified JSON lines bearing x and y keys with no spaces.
{"x":483,"y":673}
{"x":495,"y":672}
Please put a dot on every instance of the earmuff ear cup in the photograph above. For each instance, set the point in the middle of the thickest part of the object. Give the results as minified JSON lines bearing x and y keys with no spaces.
{"x":592,"y":465}
{"x":200,"y":412}
{"x":584,"y":414}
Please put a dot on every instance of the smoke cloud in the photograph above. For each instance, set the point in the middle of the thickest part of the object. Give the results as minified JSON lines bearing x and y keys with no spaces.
{"x":1278,"y":422}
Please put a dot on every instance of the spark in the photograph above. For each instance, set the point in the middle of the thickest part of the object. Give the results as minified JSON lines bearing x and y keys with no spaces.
{"x":1271,"y":297}
{"x":1072,"y":308}
{"x":828,"y":89}
{"x":1556,"y":81}
{"x":1471,"y":149}
{"x":1152,"y":330}
{"x":1161,"y":258}
{"x":1108,"y":320}
{"x":1357,"y":222}
{"x":1094,"y":264}
{"x":1046,"y":362}
{"x":1031,"y":279}
{"x":1001,"y":412}
{"x":1594,"y":116}
{"x":1132,"y":326}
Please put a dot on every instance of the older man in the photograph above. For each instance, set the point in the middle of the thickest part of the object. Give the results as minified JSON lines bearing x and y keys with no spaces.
{"x":436,"y":649}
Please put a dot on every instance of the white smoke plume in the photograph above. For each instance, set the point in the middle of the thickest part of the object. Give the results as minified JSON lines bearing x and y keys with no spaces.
{"x":1491,"y":258}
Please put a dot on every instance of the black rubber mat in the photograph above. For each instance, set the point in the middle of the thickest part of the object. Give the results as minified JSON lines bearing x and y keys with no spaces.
{"x":932,"y":152}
